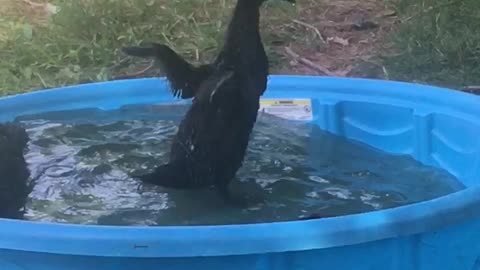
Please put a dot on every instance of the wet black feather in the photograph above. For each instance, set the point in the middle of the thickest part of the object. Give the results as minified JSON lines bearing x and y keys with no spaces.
{"x":14,"y":173}
{"x":212,"y":139}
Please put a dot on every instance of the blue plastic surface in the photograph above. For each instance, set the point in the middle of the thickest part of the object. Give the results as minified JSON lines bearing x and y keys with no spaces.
{"x":436,"y":126}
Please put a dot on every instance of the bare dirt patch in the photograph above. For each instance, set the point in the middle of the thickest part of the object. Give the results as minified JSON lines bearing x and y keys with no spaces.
{"x":319,"y":37}
{"x":345,"y":38}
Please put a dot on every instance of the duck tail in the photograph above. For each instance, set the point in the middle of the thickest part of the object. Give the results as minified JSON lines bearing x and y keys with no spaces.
{"x":171,"y":175}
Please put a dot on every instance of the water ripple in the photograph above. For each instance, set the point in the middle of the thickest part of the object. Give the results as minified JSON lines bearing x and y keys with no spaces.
{"x":80,"y":165}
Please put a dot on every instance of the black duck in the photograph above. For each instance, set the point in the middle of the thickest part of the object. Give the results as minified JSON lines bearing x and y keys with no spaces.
{"x":212,"y":139}
{"x":14,"y":173}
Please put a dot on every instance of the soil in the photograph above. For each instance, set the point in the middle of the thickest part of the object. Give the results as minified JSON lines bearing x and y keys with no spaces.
{"x":346,"y":38}
{"x":335,"y":38}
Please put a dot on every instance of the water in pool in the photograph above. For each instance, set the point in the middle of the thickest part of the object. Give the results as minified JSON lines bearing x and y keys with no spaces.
{"x":80,"y":162}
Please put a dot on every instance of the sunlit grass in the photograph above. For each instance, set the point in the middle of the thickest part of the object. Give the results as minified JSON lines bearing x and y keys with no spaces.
{"x":82,"y":42}
{"x":438,"y":42}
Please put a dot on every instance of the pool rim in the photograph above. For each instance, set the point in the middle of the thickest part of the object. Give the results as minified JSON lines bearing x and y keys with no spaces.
{"x":194,"y":241}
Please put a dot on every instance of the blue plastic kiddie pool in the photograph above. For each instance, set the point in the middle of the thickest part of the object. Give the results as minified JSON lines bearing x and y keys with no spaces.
{"x":438,"y":127}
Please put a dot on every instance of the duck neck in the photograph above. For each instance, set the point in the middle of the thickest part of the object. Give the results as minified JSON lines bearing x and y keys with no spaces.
{"x":243,"y":29}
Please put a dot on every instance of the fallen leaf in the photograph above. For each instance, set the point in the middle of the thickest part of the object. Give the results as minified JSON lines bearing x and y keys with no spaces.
{"x":387,"y":13}
{"x":344,"y":72}
{"x":364,"y":25}
{"x":339,"y":40}
{"x":51,"y":9}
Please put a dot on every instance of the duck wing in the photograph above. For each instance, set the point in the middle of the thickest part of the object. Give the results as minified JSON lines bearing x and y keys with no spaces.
{"x":218,"y":89}
{"x":184,"y":78}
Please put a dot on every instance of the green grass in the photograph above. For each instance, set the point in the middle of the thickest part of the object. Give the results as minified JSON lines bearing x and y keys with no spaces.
{"x":438,"y":42}
{"x":82,"y":42}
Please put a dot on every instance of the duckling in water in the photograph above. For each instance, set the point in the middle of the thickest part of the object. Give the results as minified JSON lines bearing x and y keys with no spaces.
{"x":212,"y":139}
{"x":14,"y":173}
